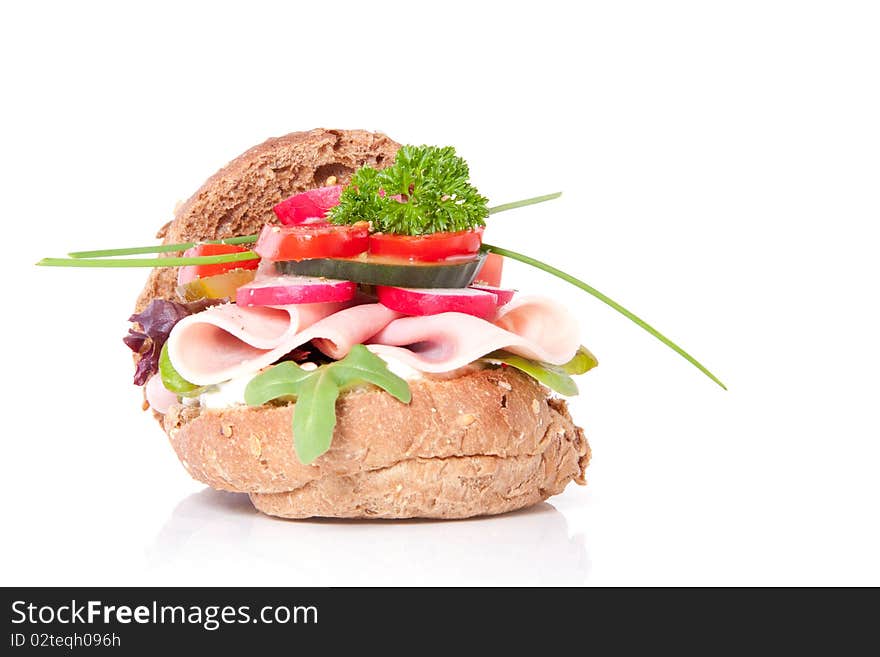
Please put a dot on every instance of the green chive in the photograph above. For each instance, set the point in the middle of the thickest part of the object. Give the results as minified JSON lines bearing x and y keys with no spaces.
{"x":513,"y":255}
{"x":161,"y":248}
{"x":246,"y":239}
{"x":148,"y":262}
{"x":524,"y":202}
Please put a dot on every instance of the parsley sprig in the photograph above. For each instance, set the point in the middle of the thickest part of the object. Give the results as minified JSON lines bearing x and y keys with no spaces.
{"x":426,"y":190}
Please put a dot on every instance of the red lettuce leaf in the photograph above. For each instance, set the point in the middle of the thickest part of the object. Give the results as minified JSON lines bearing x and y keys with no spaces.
{"x":156,"y":322}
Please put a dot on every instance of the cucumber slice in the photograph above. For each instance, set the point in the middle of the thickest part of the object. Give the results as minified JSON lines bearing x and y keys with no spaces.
{"x":376,"y":272}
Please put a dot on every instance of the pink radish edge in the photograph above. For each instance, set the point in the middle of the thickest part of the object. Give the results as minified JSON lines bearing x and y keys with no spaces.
{"x":308,"y":207}
{"x":283,"y":290}
{"x":504,"y":295}
{"x":430,"y":301}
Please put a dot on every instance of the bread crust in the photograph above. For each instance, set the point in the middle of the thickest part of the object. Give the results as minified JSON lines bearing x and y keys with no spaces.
{"x":238,"y":199}
{"x":443,"y":488}
{"x":487,"y":442}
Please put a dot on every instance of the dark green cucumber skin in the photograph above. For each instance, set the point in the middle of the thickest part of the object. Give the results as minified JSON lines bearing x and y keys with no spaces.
{"x":372,"y":273}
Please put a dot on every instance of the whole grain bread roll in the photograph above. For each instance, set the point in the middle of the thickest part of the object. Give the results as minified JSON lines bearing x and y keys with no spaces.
{"x":487,"y":442}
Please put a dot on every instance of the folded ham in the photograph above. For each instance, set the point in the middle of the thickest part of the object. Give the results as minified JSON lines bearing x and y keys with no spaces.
{"x":534,"y":327}
{"x":227,"y":341}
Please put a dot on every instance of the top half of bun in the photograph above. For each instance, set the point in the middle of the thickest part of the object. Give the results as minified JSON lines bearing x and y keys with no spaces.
{"x":238,"y":199}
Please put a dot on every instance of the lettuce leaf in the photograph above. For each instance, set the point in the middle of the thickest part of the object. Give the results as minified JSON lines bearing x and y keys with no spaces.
{"x":556,"y":377}
{"x":156,"y":322}
{"x":173,"y":381}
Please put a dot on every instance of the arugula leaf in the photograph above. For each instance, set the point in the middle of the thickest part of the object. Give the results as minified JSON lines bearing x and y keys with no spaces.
{"x":426,"y":190}
{"x":283,"y":380}
{"x":555,"y":377}
{"x":314,"y":415}
{"x":362,"y":365}
{"x":172,"y":380}
{"x":316,"y":392}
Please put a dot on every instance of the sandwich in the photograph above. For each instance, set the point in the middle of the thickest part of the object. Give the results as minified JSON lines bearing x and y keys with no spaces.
{"x":325,"y":330}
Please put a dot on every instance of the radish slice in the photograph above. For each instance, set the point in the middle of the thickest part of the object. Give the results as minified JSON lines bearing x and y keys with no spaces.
{"x":504,"y":296}
{"x":308,"y":207}
{"x":432,"y":301}
{"x":283,"y":290}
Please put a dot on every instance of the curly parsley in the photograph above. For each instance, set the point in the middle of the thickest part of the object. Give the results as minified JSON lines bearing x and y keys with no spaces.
{"x":426,"y":190}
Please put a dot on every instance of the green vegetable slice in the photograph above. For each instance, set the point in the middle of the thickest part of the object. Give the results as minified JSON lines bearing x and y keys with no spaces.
{"x":555,"y":377}
{"x":373,"y":272}
{"x":172,"y":380}
{"x":316,"y":391}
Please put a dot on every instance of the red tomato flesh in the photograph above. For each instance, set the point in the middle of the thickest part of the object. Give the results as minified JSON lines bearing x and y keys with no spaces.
{"x":305,"y":242}
{"x":427,"y":248}
{"x":490,"y":272}
{"x":309,"y":207}
{"x":189,"y":273}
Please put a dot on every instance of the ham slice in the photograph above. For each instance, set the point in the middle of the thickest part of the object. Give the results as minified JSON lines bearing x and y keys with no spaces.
{"x":533,"y":327}
{"x":227,"y":341}
{"x":336,"y":335}
{"x":159,"y":397}
{"x":544,"y":323}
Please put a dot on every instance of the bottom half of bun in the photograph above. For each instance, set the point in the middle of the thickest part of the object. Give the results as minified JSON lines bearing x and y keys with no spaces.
{"x":487,"y":442}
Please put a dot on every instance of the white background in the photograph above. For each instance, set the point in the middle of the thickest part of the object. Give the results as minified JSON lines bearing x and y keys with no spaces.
{"x":720,"y":163}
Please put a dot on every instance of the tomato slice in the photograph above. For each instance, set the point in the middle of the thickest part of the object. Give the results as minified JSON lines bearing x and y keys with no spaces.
{"x":490,"y":272}
{"x":427,"y":248}
{"x":190,"y":273}
{"x":305,"y":242}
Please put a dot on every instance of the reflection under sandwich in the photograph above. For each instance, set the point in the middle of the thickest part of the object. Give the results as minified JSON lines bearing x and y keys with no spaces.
{"x":210,"y":528}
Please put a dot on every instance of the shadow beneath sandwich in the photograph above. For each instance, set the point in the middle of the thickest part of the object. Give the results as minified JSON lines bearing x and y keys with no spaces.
{"x":210,"y":530}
